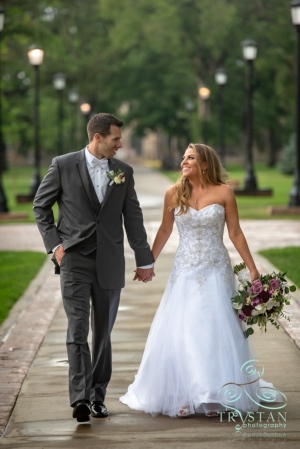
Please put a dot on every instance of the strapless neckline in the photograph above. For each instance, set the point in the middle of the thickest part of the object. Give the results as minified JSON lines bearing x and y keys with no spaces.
{"x":205,"y":207}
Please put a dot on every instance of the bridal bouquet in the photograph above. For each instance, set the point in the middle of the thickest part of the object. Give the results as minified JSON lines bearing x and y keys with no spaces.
{"x":262,"y":300}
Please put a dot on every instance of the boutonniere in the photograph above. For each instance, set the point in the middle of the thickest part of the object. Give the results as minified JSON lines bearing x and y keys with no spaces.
{"x":117,"y":177}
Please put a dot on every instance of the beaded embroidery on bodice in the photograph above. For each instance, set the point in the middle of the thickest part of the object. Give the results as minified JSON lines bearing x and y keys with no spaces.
{"x":201,"y":246}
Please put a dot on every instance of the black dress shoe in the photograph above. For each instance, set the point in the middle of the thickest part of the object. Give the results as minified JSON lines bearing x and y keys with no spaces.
{"x":81,"y":411}
{"x":99,"y":410}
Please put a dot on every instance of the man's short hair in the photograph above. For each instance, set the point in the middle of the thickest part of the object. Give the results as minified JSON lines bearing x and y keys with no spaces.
{"x":101,"y":123}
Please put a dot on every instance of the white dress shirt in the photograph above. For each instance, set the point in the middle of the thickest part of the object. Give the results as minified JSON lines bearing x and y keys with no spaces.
{"x":97,"y":169}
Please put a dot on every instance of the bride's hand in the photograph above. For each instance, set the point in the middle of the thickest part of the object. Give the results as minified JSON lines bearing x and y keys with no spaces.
{"x":254,"y":274}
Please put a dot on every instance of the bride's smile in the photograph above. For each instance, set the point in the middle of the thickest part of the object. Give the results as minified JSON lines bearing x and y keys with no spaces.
{"x":189,"y":164}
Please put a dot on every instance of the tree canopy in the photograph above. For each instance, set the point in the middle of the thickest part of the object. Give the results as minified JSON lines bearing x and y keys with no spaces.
{"x":151,"y":56}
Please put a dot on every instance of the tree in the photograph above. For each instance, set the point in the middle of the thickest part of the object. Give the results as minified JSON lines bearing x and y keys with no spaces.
{"x":152,"y":56}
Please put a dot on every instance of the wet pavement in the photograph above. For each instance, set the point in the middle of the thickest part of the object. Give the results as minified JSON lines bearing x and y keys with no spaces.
{"x":34,"y":406}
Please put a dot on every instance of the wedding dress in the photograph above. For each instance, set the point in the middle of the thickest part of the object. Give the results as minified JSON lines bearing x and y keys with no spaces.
{"x":196,"y":354}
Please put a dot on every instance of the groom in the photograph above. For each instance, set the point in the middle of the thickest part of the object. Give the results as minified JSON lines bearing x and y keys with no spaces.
{"x":88,"y":251}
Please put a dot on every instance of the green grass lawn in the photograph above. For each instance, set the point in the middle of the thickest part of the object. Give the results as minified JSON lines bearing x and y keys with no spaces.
{"x":256,"y":207}
{"x":17,"y":181}
{"x":285,"y":259}
{"x":17,"y":269}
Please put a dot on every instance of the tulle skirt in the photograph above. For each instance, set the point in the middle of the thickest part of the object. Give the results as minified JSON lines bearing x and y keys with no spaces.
{"x":196,"y":354}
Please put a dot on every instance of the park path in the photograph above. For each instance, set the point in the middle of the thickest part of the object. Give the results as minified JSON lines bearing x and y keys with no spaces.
{"x":34,"y":410}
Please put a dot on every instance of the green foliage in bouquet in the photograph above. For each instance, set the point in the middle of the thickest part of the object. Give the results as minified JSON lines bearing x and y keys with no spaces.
{"x":262,"y":300}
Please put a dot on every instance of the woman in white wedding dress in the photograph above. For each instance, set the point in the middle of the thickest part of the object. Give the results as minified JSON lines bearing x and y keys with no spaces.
{"x":196,"y":344}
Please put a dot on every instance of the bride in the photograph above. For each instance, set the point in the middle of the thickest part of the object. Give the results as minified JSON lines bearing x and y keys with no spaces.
{"x":196,"y":355}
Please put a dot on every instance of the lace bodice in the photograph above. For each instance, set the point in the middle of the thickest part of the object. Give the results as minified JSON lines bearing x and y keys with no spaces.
{"x":201,"y":246}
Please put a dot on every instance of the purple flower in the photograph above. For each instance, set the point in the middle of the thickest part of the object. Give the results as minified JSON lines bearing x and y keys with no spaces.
{"x":241,"y":316}
{"x":256,"y":287}
{"x":274,"y":284}
{"x":264,"y":296}
{"x":256,"y":301}
{"x":246,"y":310}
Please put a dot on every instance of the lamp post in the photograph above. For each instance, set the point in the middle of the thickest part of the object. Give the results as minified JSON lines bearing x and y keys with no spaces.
{"x":85,"y":109}
{"x":204,"y":94}
{"x":249,"y":52}
{"x":35,"y":56}
{"x":3,"y":200}
{"x":295,"y":191}
{"x":59,"y":83}
{"x":73,"y":99}
{"x":221,"y":80}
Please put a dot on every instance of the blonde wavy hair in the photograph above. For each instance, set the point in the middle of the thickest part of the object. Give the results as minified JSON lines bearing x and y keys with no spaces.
{"x":213,"y":174}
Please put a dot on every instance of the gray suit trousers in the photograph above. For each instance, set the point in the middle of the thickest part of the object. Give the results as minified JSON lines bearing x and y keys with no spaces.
{"x":89,"y":374}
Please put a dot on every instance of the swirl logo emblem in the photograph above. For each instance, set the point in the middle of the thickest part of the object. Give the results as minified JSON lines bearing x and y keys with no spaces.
{"x":254,"y":394}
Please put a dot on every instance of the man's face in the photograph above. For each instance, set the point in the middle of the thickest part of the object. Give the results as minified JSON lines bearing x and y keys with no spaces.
{"x":109,"y":145}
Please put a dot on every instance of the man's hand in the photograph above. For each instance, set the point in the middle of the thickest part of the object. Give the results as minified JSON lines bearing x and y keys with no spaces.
{"x":59,"y":254}
{"x":144,"y":274}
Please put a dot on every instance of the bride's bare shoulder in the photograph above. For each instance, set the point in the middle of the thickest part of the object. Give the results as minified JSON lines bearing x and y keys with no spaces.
{"x":225,"y":189}
{"x":170,"y":192}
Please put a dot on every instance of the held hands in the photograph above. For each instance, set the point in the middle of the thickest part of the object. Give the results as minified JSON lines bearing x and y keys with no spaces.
{"x":144,"y":274}
{"x":141,"y":274}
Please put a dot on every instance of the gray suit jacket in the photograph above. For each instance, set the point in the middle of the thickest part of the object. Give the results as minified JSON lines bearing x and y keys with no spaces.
{"x":67,"y":183}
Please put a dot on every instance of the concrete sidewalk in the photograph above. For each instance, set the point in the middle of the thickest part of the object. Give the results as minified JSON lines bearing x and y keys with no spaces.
{"x":33,"y":363}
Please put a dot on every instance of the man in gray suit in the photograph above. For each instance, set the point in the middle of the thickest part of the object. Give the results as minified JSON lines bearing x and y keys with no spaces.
{"x":88,"y":250}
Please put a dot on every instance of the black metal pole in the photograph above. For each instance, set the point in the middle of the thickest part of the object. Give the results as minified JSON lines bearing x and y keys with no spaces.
{"x":3,"y":200}
{"x":75,"y":144}
{"x":73,"y":138}
{"x":60,"y":118}
{"x":221,"y":125}
{"x":36,"y":180}
{"x":86,"y":120}
{"x":295,"y":191}
{"x":204,"y":132}
{"x":250,"y":180}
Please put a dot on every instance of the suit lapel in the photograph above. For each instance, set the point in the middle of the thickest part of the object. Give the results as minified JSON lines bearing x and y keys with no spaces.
{"x":84,"y":175}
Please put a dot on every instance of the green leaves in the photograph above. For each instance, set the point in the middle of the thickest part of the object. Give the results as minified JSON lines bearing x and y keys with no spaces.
{"x":152,"y":55}
{"x":261,"y":300}
{"x":248,"y":332}
{"x":239,"y":267}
